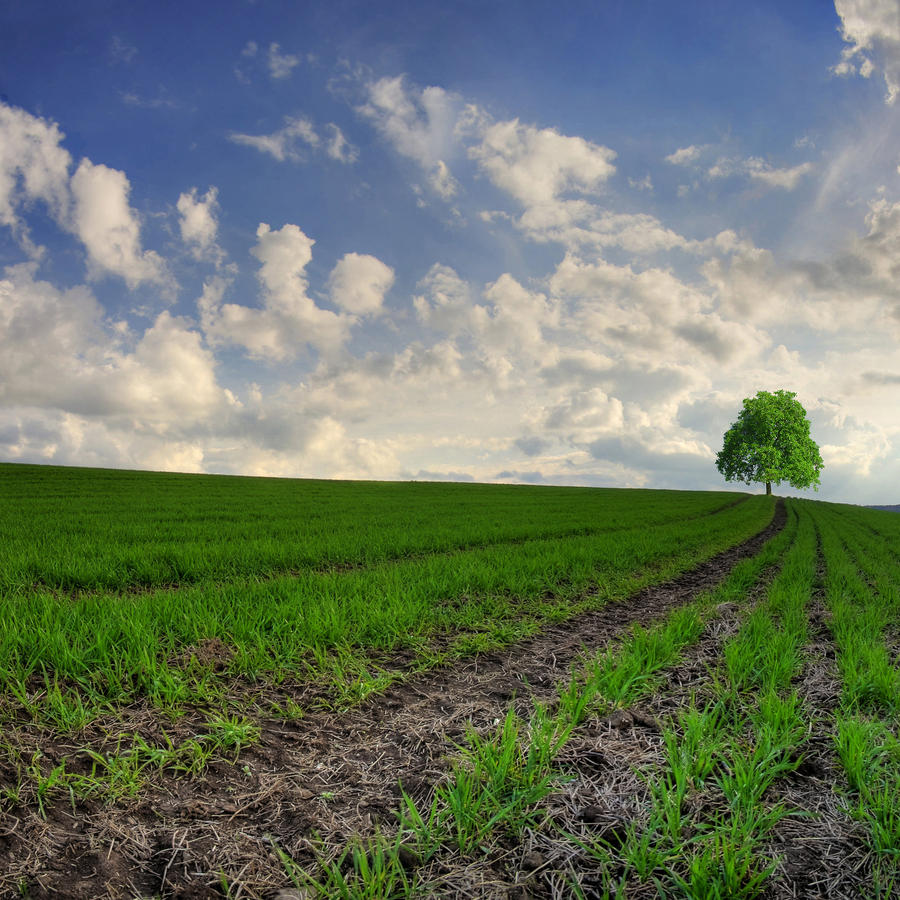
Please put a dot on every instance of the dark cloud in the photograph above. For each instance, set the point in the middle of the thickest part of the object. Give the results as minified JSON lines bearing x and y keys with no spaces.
{"x":881,"y":378}
{"x":532,"y":446}
{"x":709,"y":416}
{"x":666,"y":470}
{"x":709,"y":339}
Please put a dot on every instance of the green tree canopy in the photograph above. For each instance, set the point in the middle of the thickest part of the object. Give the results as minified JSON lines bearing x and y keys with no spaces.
{"x":770,"y":442}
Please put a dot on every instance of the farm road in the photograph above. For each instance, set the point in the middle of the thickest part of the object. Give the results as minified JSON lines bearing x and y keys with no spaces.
{"x":331,"y":775}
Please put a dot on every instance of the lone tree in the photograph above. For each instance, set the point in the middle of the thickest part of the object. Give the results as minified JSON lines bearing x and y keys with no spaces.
{"x":770,"y":442}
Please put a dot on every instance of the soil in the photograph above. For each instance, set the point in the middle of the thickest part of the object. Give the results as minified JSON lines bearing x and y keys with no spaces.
{"x":322,"y":779}
{"x":822,"y":851}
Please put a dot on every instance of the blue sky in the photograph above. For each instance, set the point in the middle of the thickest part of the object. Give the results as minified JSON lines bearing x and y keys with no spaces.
{"x":498,"y":241}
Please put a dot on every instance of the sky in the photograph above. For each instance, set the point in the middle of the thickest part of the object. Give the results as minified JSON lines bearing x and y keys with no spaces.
{"x":495,"y":241}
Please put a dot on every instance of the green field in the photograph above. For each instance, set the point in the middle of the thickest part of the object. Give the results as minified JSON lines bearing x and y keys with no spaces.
{"x":159,"y":630}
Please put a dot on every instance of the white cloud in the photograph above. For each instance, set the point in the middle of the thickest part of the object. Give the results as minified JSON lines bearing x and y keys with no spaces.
{"x":652,"y":315}
{"x":538,"y":165}
{"x":289,"y":319}
{"x":198,"y":221}
{"x":685,"y":155}
{"x":282,"y":144}
{"x":443,"y":183}
{"x":422,"y":125}
{"x":338,"y":147}
{"x":121,"y":51}
{"x":760,"y":170}
{"x":92,"y":203}
{"x":515,"y":323}
{"x":642,"y":184}
{"x":160,"y":101}
{"x":419,"y":124}
{"x":540,"y":168}
{"x":585,"y":414}
{"x":787,"y":179}
{"x":58,"y":351}
{"x":609,"y":366}
{"x":358,"y":284}
{"x":281,"y":64}
{"x":726,"y":166}
{"x":853,"y":291}
{"x":33,"y":166}
{"x":447,"y":304}
{"x":109,"y":228}
{"x":871,"y":28}
{"x":297,"y":133}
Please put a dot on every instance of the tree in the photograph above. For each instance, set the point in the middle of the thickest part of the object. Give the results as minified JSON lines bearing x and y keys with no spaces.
{"x":770,"y":442}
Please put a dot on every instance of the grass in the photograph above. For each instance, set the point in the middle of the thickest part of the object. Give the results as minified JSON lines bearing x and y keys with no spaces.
{"x":496,"y":786}
{"x":65,"y":658}
{"x":93,"y":529}
{"x":206,"y":603}
{"x":861,"y":555}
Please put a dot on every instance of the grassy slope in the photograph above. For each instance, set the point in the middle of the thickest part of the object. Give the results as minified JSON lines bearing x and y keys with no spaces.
{"x":73,"y":528}
{"x":292,"y":575}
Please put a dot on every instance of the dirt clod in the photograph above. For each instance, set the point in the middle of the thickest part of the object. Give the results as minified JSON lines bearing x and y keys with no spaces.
{"x":620,"y":718}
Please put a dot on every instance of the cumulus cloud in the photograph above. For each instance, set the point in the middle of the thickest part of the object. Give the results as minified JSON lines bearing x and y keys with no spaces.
{"x":651,"y":312}
{"x":672,"y":461}
{"x":358,"y":283}
{"x":642,"y":184}
{"x":423,"y":125}
{"x":539,"y":165}
{"x":446,"y":304}
{"x":760,"y":170}
{"x":33,"y":166}
{"x":553,"y":176}
{"x":289,"y":320}
{"x":583,"y":413}
{"x":58,"y":351}
{"x":871,"y":29}
{"x":556,"y":178}
{"x":443,"y":183}
{"x":533,"y":444}
{"x":199,"y":223}
{"x":92,"y":203}
{"x":881,"y":379}
{"x":109,"y":228}
{"x":510,"y":323}
{"x":516,"y":319}
{"x":850,"y":291}
{"x":420,"y":124}
{"x":623,"y":362}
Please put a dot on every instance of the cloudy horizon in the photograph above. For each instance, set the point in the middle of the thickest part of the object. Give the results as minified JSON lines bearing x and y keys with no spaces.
{"x":495,"y":244}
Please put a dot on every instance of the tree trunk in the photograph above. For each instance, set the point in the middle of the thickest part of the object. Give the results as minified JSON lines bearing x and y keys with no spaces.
{"x":768,"y":488}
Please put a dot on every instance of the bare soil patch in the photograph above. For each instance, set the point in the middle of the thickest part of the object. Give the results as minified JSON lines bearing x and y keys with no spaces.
{"x":822,"y":851}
